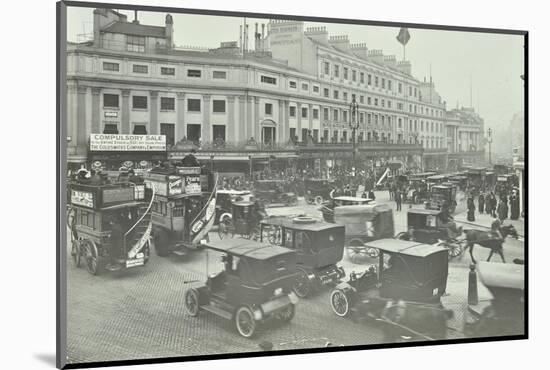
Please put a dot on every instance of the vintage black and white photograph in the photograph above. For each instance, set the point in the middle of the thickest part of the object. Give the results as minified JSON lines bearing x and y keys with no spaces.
{"x":242,"y":184}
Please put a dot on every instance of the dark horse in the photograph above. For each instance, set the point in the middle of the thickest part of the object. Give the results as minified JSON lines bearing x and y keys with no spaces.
{"x":486,"y":240}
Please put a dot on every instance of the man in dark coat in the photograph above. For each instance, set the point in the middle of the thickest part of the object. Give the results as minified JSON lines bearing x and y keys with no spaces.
{"x":471,"y":208}
{"x":371,"y":194}
{"x":481,"y":202}
{"x":502,"y":210}
{"x":397,"y":197}
{"x":514,"y":206}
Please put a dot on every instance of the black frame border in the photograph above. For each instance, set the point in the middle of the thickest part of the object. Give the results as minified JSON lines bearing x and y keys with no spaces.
{"x":61,"y":283}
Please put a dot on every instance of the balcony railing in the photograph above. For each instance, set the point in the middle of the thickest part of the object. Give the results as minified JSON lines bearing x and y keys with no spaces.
{"x":253,"y":145}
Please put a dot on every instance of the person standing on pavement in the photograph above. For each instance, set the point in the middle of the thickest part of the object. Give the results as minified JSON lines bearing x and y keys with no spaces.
{"x":514,"y":206}
{"x":397,"y":197}
{"x":471,"y":208}
{"x":481,"y":202}
{"x":502,"y":210}
{"x":371,"y":194}
{"x":492,"y":205}
{"x":391,"y":189}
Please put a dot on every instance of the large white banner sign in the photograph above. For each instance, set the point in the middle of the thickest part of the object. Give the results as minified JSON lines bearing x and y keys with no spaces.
{"x":123,"y":143}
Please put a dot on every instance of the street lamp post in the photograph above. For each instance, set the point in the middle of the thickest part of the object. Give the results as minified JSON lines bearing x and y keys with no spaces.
{"x":489,"y":141}
{"x":354,"y":125}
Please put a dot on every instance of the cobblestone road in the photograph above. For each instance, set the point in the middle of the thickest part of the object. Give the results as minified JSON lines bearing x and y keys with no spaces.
{"x":139,"y":313}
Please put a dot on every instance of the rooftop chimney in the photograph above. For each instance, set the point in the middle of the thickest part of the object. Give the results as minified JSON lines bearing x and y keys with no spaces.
{"x":169,"y":31}
{"x":340,"y":42}
{"x":376,"y":56}
{"x":404,"y":66}
{"x":390,"y":61}
{"x":360,"y":50}
{"x":318,"y":34}
{"x":135,"y":17}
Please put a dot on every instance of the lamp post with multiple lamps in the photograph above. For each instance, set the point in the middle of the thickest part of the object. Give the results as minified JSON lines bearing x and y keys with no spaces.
{"x":489,"y":141}
{"x":353,"y":125}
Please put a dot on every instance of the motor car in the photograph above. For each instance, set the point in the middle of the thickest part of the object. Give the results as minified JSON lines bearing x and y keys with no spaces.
{"x":253,"y":287}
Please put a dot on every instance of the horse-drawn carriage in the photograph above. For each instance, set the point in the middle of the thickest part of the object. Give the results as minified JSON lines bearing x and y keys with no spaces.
{"x":505,"y":184}
{"x":319,"y":246}
{"x":460,"y":181}
{"x":225,"y":200}
{"x":243,"y":220}
{"x":275,"y":192}
{"x":318,"y":190}
{"x":110,"y":225}
{"x":364,"y":223}
{"x":505,"y":315}
{"x":402,"y":291}
{"x":254,"y":286}
{"x":428,"y":226}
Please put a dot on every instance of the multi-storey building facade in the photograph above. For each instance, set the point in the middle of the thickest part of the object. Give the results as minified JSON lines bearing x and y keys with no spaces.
{"x":295,"y":87}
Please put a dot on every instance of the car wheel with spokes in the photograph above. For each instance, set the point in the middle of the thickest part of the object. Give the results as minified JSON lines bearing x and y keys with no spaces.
{"x":91,"y":257}
{"x":192,"y":302}
{"x":302,"y":286}
{"x":245,"y":322}
{"x":339,"y":302}
{"x":318,"y":200}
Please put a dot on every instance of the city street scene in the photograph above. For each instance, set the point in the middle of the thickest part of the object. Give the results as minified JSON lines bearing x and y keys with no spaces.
{"x":241,"y":185}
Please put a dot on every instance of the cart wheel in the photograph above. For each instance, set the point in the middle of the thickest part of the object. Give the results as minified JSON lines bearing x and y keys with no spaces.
{"x":287,"y":314}
{"x":91,"y":257}
{"x":339,"y":302}
{"x":224,"y":227}
{"x":244,"y":321}
{"x":275,"y":235}
{"x":401,"y":236}
{"x":309,"y":200}
{"x":161,"y":243}
{"x":192,"y":302}
{"x":454,"y":249}
{"x":318,"y":200}
{"x":302,"y":287}
{"x":76,"y":252}
{"x":254,"y":233}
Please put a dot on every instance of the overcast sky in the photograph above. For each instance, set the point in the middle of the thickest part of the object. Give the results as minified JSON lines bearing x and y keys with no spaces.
{"x":493,"y":62}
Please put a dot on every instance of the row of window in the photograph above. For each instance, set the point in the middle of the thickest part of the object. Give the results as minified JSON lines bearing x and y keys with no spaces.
{"x":371,"y":80}
{"x":336,"y":95}
{"x":219,"y":106}
{"x":164,"y":71}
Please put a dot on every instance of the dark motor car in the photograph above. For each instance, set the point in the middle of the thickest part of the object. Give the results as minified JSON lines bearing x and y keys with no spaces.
{"x":273,"y":192}
{"x":319,"y":246}
{"x":404,"y":290}
{"x":318,"y":190}
{"x":254,"y":286}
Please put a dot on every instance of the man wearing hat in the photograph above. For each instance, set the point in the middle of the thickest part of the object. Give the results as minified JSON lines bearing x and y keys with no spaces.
{"x":133,"y":178}
{"x":190,"y":160}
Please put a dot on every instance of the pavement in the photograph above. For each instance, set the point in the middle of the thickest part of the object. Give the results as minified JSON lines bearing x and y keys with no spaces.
{"x":139,"y":313}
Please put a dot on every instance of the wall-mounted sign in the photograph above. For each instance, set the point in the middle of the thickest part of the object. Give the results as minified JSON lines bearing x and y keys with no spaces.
{"x":111,"y":114}
{"x":121,"y":143}
{"x":82,"y":198}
